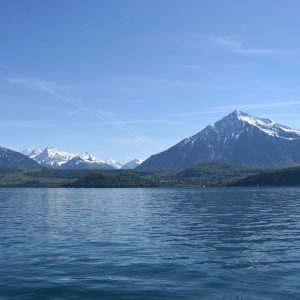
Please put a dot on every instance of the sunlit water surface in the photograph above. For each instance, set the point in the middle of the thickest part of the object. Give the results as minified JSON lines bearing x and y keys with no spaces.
{"x":150,"y":244}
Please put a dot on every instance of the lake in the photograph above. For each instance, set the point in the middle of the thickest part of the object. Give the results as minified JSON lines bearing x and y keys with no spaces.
{"x":223,"y":243}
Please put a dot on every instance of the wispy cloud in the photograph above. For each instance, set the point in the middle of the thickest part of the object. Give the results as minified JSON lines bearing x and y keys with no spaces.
{"x":51,"y":89}
{"x":152,"y":121}
{"x":263,"y":104}
{"x":228,"y":108}
{"x":202,"y":42}
{"x":233,"y":45}
{"x":193,"y":113}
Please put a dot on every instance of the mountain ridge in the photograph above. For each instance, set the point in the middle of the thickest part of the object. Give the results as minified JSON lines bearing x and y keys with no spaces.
{"x":51,"y":157}
{"x":132,"y":164}
{"x":237,"y":138}
{"x":14,"y":159}
{"x":86,"y":161}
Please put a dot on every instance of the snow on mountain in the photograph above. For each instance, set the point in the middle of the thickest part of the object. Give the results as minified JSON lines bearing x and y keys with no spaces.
{"x":113,"y":163}
{"x":32,"y":152}
{"x":132,"y":164}
{"x":268,"y":126}
{"x":238,"y":138}
{"x":232,"y":126}
{"x":86,"y":161}
{"x":51,"y":157}
{"x":88,"y":158}
{"x":54,"y":158}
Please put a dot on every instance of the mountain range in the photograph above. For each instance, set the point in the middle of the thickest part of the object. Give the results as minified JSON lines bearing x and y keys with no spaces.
{"x":51,"y":157}
{"x":238,"y":139}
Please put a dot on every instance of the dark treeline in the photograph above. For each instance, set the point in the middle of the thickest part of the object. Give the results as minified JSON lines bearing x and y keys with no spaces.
{"x":206,"y":174}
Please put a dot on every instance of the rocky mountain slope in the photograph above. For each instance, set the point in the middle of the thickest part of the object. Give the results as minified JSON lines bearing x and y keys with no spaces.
{"x":13,"y":159}
{"x":238,"y":139}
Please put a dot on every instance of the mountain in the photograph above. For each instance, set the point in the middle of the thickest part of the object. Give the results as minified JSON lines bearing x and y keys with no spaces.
{"x":54,"y":158}
{"x":238,"y":139}
{"x":132,"y":164}
{"x":113,"y":163}
{"x":50,"y":157}
{"x":86,"y":161}
{"x":10,"y":158}
{"x":32,"y":152}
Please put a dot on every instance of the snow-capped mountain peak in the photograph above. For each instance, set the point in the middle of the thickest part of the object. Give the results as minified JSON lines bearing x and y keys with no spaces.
{"x":86,"y":161}
{"x":88,"y":157}
{"x":50,"y":156}
{"x":54,"y":158}
{"x":265,"y":125}
{"x":237,"y":138}
{"x":242,"y":116}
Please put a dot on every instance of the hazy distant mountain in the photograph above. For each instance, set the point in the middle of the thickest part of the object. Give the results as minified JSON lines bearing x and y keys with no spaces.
{"x":113,"y":163}
{"x":132,"y":164}
{"x":10,"y":158}
{"x":238,"y":139}
{"x":32,"y":152}
{"x":86,"y":161}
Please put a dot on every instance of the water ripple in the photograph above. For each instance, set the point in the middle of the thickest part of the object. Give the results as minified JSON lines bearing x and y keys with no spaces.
{"x":234,"y":243}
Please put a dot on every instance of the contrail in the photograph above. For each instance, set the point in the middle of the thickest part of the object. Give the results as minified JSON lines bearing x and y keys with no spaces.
{"x":75,"y":104}
{"x":92,"y":113}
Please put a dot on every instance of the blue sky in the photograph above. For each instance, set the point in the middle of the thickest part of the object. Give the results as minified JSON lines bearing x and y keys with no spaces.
{"x":130,"y":78}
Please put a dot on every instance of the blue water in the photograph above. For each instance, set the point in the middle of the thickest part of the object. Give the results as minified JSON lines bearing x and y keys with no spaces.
{"x":150,"y":244}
